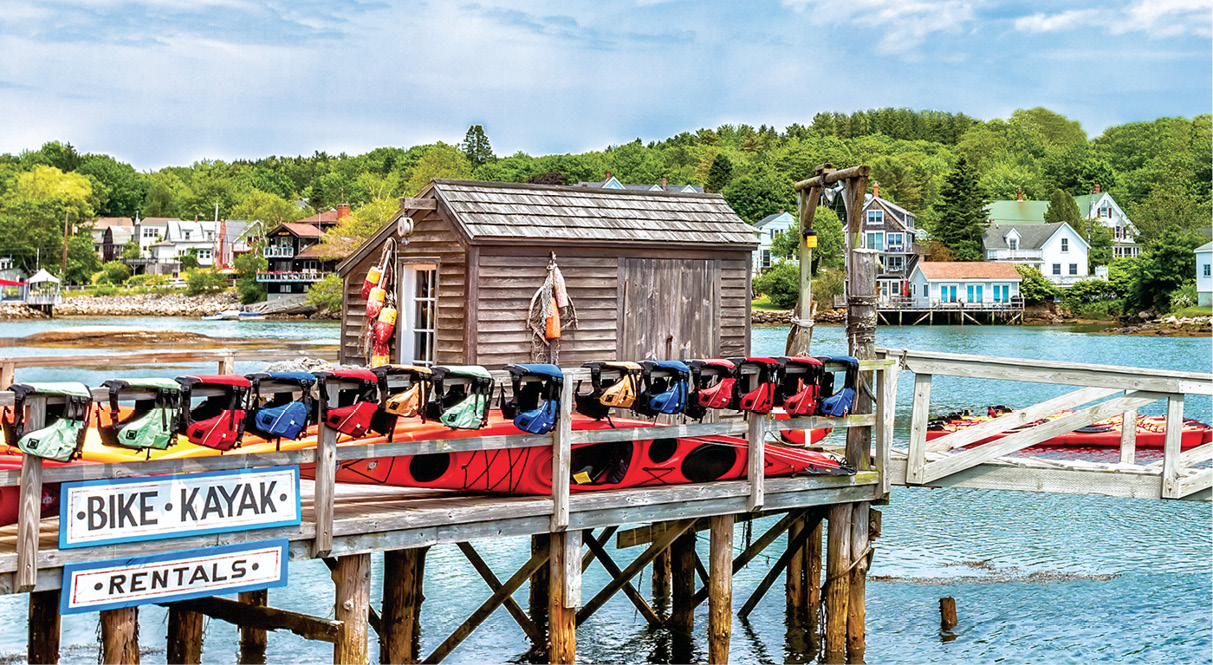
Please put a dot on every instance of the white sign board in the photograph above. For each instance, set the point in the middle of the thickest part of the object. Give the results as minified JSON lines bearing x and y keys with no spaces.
{"x":124,"y":510}
{"x":160,"y":578}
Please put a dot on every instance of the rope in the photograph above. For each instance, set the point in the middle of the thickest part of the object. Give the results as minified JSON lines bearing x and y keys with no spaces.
{"x":868,"y":553}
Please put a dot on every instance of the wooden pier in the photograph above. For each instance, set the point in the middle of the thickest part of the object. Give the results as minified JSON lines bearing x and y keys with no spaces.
{"x":344,"y":524}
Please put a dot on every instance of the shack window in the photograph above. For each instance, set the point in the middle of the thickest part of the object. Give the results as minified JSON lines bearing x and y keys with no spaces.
{"x":420,"y":308}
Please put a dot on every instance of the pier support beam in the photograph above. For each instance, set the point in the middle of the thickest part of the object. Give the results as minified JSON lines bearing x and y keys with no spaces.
{"x":682,"y":555}
{"x":813,"y":565}
{"x":184,"y":643}
{"x":120,"y":636}
{"x":539,"y":590}
{"x":838,"y":585}
{"x":564,"y":586}
{"x":252,"y":640}
{"x":662,"y":566}
{"x":720,"y":589}
{"x":795,"y":592}
{"x":856,"y":605}
{"x":403,"y":573}
{"x":352,"y":577}
{"x":44,"y":627}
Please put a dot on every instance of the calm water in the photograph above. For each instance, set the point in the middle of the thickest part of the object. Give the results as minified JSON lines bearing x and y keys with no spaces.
{"x":1037,"y":578}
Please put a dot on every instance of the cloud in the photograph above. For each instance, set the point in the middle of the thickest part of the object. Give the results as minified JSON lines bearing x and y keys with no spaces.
{"x":1155,"y":18}
{"x":564,"y":27}
{"x":904,"y":24}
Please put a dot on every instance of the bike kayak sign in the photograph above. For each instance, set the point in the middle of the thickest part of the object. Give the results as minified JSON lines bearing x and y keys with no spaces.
{"x":162,"y":578}
{"x":126,"y":510}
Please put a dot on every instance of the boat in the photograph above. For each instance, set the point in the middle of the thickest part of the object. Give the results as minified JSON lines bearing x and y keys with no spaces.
{"x":1151,"y":430}
{"x":234,"y":315}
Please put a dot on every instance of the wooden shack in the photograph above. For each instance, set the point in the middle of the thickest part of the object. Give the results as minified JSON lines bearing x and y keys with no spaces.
{"x":651,"y":274}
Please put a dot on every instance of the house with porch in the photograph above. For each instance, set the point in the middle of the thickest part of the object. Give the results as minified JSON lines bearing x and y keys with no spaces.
{"x":965,"y":284}
{"x":296,"y":258}
{"x":1057,"y":250}
{"x":125,"y":228}
{"x":891,"y":229}
{"x":1098,"y":205}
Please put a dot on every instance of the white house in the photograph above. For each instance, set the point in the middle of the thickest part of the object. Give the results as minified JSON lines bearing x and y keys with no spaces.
{"x":1096,"y":205}
{"x":1057,"y":250}
{"x":180,"y":237}
{"x":1204,"y":274}
{"x":985,"y":283}
{"x":766,"y":228}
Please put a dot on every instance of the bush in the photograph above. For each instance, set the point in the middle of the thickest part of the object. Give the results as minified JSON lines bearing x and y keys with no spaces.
{"x":204,"y":281}
{"x":326,"y":294}
{"x":147,"y":280}
{"x":1104,"y":309}
{"x":1035,"y":288}
{"x":249,"y":290}
{"x":1088,"y":292}
{"x":780,"y":284}
{"x":1183,"y":297}
{"x":826,"y":285}
{"x":115,"y":272}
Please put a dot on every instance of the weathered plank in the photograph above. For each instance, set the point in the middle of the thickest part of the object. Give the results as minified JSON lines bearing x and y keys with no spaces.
{"x":1171,"y":446}
{"x":920,"y":417}
{"x":257,"y":617}
{"x":1017,"y":418}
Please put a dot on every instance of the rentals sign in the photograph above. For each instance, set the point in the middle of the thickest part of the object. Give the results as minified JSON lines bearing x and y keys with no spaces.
{"x":125,"y":510}
{"x":161,"y":578}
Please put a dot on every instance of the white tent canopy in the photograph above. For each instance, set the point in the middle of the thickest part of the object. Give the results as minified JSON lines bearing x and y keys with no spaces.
{"x":42,"y":276}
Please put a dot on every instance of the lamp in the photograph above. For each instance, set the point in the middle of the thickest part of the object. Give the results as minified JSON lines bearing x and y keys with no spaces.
{"x":810,"y":238}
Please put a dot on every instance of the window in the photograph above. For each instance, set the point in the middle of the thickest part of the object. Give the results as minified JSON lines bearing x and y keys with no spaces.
{"x":1065,"y":245}
{"x":910,"y":221}
{"x":186,"y":234}
{"x":1105,"y":210}
{"x":926,"y":290}
{"x":894,"y":263}
{"x":421,"y":308}
{"x":764,"y":261}
{"x":896,"y":242}
{"x":1002,"y":293}
{"x":875,"y":217}
{"x":1207,"y":267}
{"x":148,"y":232}
{"x":204,"y":255}
{"x":1073,"y":268}
{"x":875,"y":241}
{"x":974,"y":293}
{"x":1056,"y":268}
{"x":1013,"y":243}
{"x":947,"y":292}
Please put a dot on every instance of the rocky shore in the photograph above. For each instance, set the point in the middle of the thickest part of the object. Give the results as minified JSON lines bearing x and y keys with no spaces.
{"x":11,"y":311}
{"x":1197,"y":326}
{"x":761,"y":317}
{"x":150,"y":304}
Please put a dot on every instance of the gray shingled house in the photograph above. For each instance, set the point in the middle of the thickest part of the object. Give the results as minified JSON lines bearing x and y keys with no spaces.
{"x":652,"y":274}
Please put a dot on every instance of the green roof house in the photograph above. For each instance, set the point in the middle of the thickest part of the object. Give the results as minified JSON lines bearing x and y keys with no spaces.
{"x":1096,"y":205}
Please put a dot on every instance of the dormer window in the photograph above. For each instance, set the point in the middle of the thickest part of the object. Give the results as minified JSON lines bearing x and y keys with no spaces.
{"x":1013,"y":243}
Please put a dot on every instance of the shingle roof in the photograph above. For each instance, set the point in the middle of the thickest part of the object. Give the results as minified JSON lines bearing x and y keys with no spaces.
{"x":541,"y":212}
{"x":1018,"y":212}
{"x":897,"y":211}
{"x":770,"y":218}
{"x":326,"y":217}
{"x":968,"y":270}
{"x":1031,"y":236}
{"x":301,"y":229}
{"x":107,"y":222}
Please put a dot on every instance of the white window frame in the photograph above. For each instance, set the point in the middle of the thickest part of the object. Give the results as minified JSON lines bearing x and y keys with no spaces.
{"x":901,"y":239}
{"x":1065,"y":245}
{"x":1013,"y":244}
{"x":1056,"y":268}
{"x":875,"y":217}
{"x":1073,"y":268}
{"x":890,"y":260}
{"x":406,"y":342}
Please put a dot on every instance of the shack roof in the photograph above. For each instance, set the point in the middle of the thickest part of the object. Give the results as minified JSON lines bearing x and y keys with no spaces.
{"x":496,"y":213}
{"x":968,"y":270}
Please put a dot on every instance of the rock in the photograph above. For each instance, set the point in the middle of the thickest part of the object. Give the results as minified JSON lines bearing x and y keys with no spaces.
{"x":1145,"y":314}
{"x":111,"y":335}
{"x":148,"y":304}
{"x":10,"y":311}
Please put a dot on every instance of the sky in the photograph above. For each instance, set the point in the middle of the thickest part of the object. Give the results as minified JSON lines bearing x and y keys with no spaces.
{"x":168,"y":82}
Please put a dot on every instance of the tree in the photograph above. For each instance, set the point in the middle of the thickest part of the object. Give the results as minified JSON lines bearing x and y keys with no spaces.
{"x":32,"y":215}
{"x":1099,"y":237}
{"x":189,"y":260}
{"x":476,"y":146}
{"x":360,"y":225}
{"x":720,"y":174}
{"x":124,"y":188}
{"x":1062,"y":208}
{"x":160,"y":200}
{"x":441,"y":161}
{"x":247,"y":265}
{"x":198,"y":282}
{"x":780,"y":284}
{"x":960,"y":217}
{"x":131,"y":250}
{"x":1162,"y":268}
{"x":115,"y":272}
{"x":759,"y":193}
{"x":82,"y":259}
{"x":1034,"y":287}
{"x":829,"y":251}
{"x":265,"y":207}
{"x":325,"y":295}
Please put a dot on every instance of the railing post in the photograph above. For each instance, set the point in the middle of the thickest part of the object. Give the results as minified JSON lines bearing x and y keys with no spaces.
{"x":227,"y":364}
{"x":29,"y":513}
{"x":562,"y":459}
{"x":920,"y":414}
{"x":8,"y":373}
{"x":1171,"y":446}
{"x":325,"y":483}
{"x":756,"y":446}
{"x":1128,"y":436}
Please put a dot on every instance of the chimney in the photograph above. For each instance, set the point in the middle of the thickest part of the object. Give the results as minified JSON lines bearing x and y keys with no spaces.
{"x":875,"y":190}
{"x":664,"y":187}
{"x":608,"y":175}
{"x":1019,"y":196}
{"x":343,"y":211}
{"x":1096,"y":188}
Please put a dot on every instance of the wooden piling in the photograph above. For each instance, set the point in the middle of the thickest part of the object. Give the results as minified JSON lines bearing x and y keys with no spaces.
{"x":538,"y":591}
{"x":813,"y":565}
{"x":661,"y":580}
{"x":402,"y":595}
{"x":563,"y":596}
{"x":184,"y":643}
{"x":837,"y":582}
{"x":796,"y":598}
{"x":253,"y":640}
{"x":856,"y":605}
{"x":720,"y":589}
{"x":947,"y":613}
{"x":682,"y":612}
{"x":352,"y":577}
{"x":44,"y":624}
{"x":120,"y":636}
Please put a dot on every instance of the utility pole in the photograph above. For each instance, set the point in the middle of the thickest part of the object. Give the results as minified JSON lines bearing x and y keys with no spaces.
{"x":63,"y":267}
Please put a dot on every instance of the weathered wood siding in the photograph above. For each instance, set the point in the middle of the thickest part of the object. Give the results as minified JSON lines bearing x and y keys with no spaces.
{"x":432,"y":242}
{"x":507,"y":279}
{"x":669,"y":308}
{"x":734,"y":318}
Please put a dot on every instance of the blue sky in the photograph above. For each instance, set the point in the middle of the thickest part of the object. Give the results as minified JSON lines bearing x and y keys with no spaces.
{"x":167,"y":82}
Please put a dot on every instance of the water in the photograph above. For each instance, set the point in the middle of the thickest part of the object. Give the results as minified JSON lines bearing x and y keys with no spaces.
{"x":1037,"y":578}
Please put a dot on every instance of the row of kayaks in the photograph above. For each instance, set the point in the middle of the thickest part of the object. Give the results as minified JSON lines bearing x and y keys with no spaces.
{"x":202,"y":415}
{"x":1150,"y":430}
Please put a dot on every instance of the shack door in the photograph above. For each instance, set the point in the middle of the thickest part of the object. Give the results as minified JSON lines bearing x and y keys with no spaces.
{"x":670,"y":309}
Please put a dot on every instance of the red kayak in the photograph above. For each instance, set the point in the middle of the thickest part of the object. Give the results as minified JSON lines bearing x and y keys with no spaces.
{"x":595,"y":466}
{"x":1151,"y":431}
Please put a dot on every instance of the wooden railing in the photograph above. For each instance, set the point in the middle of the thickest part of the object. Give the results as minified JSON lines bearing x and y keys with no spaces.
{"x":958,"y":459}
{"x":881,"y":380}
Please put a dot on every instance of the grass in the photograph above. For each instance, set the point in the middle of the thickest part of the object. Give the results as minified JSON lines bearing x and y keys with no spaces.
{"x":1195,"y":310}
{"x":763,"y":303}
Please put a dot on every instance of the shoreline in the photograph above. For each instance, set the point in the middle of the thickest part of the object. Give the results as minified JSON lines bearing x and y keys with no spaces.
{"x":147,"y":304}
{"x":1168,"y":326}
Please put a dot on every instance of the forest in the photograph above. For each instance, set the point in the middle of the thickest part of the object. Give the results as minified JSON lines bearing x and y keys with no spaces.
{"x":1158,"y":171}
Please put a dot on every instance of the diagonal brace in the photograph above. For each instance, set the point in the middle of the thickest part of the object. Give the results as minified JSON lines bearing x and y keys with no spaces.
{"x":524,"y":622}
{"x":656,"y":547}
{"x":756,"y":548}
{"x":628,"y":590}
{"x":773,"y":574}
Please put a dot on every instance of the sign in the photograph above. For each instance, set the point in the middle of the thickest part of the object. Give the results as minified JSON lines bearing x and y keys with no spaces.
{"x":162,"y":578}
{"x":125,"y":510}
